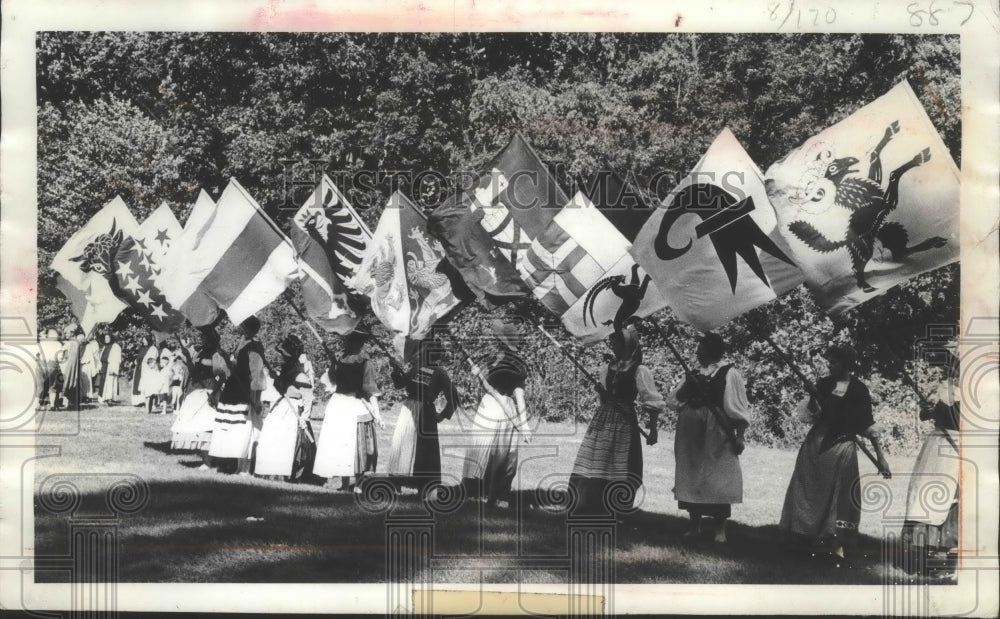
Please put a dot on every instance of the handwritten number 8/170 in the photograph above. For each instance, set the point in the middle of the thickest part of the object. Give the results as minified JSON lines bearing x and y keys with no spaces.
{"x":829,"y":16}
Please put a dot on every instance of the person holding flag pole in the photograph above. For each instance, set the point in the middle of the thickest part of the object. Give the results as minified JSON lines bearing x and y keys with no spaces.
{"x":823,"y":501}
{"x":347,"y":446}
{"x":611,"y":454}
{"x":713,"y":416}
{"x":491,"y":460}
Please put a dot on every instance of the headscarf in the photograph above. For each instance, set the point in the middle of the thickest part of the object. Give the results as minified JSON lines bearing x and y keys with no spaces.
{"x":507,"y":334}
{"x":629,"y":355}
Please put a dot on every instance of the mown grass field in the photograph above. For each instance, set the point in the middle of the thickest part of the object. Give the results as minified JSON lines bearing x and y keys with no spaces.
{"x":209,"y":527}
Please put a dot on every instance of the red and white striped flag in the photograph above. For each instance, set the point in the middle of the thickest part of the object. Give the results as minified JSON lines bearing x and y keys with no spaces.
{"x":238,"y":260}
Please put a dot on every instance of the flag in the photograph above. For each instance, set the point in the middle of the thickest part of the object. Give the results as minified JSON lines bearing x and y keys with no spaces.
{"x":201,"y":212}
{"x":88,"y":289}
{"x":238,"y":260}
{"x":330,"y":238}
{"x":109,"y":257}
{"x":624,"y":289}
{"x":713,"y":250}
{"x":157,"y":233}
{"x":403,"y":273}
{"x":487,"y":230}
{"x":870,"y":202}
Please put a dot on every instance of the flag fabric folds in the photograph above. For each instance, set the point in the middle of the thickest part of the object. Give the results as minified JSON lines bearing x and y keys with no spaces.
{"x":238,"y":261}
{"x":868,"y":202}
{"x":330,"y":238}
{"x":624,"y":289}
{"x":487,"y":231}
{"x":713,"y":249}
{"x":87,"y":283}
{"x":403,"y":273}
{"x":157,"y":233}
{"x":110,"y":256}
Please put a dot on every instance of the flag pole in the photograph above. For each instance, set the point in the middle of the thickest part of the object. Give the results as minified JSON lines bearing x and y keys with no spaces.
{"x":720,"y":416}
{"x":583,"y":370}
{"x":302,"y":316}
{"x":811,"y":390}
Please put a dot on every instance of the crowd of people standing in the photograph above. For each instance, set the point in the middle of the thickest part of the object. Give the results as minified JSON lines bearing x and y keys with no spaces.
{"x":245,"y":417}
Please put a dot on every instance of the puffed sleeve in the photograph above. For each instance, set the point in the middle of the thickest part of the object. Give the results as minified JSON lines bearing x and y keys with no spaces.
{"x":734,"y":400}
{"x":649,"y":396}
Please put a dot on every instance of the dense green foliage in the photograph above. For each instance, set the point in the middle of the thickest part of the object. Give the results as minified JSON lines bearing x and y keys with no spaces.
{"x":155,"y":116}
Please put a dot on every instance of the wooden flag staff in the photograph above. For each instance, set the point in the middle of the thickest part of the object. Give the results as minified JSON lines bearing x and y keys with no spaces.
{"x":720,"y":416}
{"x":811,"y":389}
{"x":298,"y":310}
{"x":584,"y":371}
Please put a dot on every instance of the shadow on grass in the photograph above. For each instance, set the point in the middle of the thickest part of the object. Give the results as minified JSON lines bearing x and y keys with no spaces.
{"x":162,"y":447}
{"x":219,"y":529}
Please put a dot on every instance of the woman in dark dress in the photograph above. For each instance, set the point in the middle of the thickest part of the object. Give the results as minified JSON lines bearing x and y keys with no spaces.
{"x":416,"y":452}
{"x":823,"y":502}
{"x":611,"y":452}
{"x":491,"y":460}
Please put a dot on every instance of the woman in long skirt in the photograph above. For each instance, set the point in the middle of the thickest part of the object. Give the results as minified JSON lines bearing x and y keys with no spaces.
{"x":708,"y":479}
{"x":930,"y":531}
{"x":279,"y":434}
{"x":109,"y":365}
{"x":70,"y":353}
{"x":142,"y":378}
{"x":192,"y":430}
{"x":347,"y":447}
{"x":238,"y":416}
{"x":823,"y":502}
{"x":89,"y":360}
{"x":611,"y":452}
{"x":416,"y":453}
{"x":491,"y":461}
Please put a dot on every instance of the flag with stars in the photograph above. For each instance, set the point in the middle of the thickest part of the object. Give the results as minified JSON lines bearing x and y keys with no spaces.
{"x":713,"y":249}
{"x":488,"y":230}
{"x":157,"y":233}
{"x":108,"y":254}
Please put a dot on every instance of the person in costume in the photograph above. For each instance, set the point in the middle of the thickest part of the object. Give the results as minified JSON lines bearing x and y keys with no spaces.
{"x":708,"y":479}
{"x":930,"y":531}
{"x":415,"y":455}
{"x":279,"y":435}
{"x":239,"y":417}
{"x":192,"y":430}
{"x":347,"y":446}
{"x":70,"y":354}
{"x":611,"y":451}
{"x":109,"y":368}
{"x":144,"y":378}
{"x":823,"y":501}
{"x":491,"y":461}
{"x":48,"y":357}
{"x":164,"y":375}
{"x":89,"y":368}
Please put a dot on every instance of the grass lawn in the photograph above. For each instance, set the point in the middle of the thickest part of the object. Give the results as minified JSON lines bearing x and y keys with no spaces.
{"x":210,"y":527}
